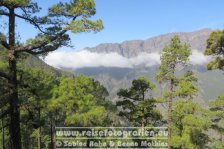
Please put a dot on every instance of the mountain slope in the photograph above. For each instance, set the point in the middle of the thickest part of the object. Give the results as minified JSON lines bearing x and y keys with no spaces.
{"x":35,"y":62}
{"x":210,"y":83}
{"x":196,"y":39}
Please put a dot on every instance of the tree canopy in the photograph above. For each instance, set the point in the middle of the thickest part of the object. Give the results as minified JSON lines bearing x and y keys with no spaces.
{"x":175,"y":55}
{"x":74,"y":16}
{"x":138,"y":105}
{"x":215,"y":47}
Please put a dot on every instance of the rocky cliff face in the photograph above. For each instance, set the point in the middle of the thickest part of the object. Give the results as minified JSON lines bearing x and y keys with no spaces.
{"x":196,"y":39}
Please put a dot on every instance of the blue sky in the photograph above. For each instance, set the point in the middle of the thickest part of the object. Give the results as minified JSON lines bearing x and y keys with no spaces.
{"x":142,"y":19}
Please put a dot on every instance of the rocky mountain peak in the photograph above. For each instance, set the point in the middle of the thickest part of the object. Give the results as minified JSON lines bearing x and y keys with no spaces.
{"x":132,"y":48}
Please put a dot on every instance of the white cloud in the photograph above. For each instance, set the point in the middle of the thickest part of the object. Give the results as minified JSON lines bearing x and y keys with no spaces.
{"x":198,"y":58}
{"x":80,"y":59}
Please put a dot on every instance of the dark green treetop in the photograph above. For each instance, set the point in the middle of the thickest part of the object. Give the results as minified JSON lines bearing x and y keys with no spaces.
{"x":80,"y":100}
{"x":217,"y":116}
{"x":175,"y":55}
{"x":215,"y":47}
{"x":71,"y":16}
{"x":138,"y":105}
{"x":190,"y":120}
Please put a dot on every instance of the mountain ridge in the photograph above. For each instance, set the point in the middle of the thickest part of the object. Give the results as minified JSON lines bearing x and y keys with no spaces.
{"x":197,"y":40}
{"x":115,"y":78}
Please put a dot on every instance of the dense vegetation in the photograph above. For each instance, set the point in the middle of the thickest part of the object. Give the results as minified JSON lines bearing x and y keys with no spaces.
{"x":34,"y":101}
{"x":52,"y":33}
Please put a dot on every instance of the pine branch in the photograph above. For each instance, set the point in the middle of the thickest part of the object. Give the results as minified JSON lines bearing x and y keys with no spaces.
{"x":31,"y":21}
{"x":2,"y":4}
{"x":2,"y":13}
{"x":4,"y":75}
{"x":41,"y":44}
{"x":9,"y":5}
{"x":3,"y":41}
{"x":3,"y":100}
{"x":6,"y":125}
{"x":30,"y":47}
{"x":3,"y":114}
{"x":4,"y":44}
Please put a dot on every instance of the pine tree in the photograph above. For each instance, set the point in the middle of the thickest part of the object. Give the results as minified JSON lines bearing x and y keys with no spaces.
{"x":215,"y":47}
{"x":35,"y":90}
{"x":173,"y":56}
{"x":78,"y":101}
{"x":3,"y":113}
{"x":190,"y":120}
{"x":138,"y":105}
{"x":217,"y":113}
{"x":4,"y":107}
{"x":61,"y":18}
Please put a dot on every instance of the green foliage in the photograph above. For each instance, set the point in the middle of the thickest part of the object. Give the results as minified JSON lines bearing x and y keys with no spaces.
{"x":186,"y":88}
{"x":85,"y":25}
{"x":173,"y":55}
{"x":217,"y":116}
{"x":16,"y":3}
{"x":80,"y":99}
{"x":136,"y":107}
{"x":78,"y":8}
{"x":34,"y":92}
{"x":93,"y":116}
{"x":36,"y":83}
{"x":83,"y":9}
{"x":218,"y":104}
{"x":30,"y":90}
{"x":3,"y":98}
{"x":74,"y":16}
{"x":218,"y":63}
{"x":3,"y":59}
{"x":139,"y":87}
{"x":190,"y":122}
{"x":215,"y":47}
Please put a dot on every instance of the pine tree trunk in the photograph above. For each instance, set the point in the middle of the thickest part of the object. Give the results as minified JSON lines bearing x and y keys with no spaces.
{"x":52,"y":133}
{"x":143,"y":111}
{"x":222,"y":140}
{"x":39,"y":130}
{"x":26,"y":140}
{"x":14,"y":124}
{"x":170,"y":102}
{"x":3,"y":134}
{"x":39,"y":138}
